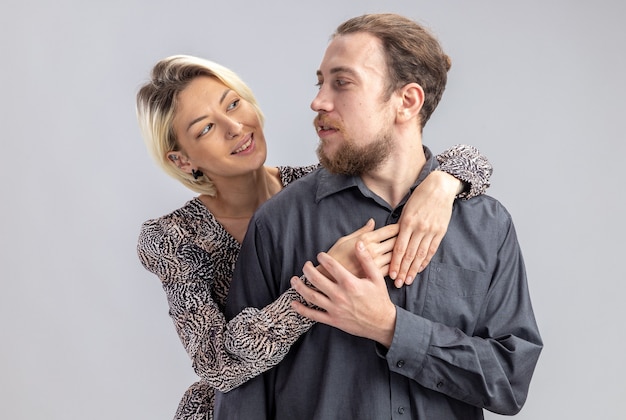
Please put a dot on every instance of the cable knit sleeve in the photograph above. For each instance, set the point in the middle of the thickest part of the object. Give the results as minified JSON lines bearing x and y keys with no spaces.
{"x":468,"y":165}
{"x":225,"y":355}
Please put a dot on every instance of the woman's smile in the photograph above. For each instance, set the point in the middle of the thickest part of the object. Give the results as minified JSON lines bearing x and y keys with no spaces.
{"x":245,"y":145}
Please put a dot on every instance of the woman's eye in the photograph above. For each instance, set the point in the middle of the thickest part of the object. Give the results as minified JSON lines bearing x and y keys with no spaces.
{"x":206,"y":129}
{"x":233,"y":104}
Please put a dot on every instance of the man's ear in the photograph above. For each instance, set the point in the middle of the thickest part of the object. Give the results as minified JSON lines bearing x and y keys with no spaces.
{"x":179,"y":160}
{"x":411,"y":102}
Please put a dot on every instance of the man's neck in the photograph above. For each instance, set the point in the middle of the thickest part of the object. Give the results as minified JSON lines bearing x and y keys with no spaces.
{"x":394,"y":178}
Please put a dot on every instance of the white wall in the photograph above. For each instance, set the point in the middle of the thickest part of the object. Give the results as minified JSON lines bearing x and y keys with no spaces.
{"x":537,"y":85}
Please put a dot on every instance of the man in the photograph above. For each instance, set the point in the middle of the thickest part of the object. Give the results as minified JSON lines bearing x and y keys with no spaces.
{"x":463,"y":337}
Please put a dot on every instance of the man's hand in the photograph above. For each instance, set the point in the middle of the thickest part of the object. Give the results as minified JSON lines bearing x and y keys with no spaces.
{"x":358,"y":306}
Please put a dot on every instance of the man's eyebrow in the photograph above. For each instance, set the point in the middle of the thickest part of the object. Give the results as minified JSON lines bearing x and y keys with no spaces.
{"x":205,"y":116}
{"x":340,"y":69}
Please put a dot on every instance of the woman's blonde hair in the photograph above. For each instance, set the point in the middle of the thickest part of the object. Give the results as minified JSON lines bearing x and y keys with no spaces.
{"x":156,"y":108}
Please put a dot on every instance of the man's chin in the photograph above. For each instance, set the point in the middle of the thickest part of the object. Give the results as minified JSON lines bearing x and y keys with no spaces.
{"x":325,"y":152}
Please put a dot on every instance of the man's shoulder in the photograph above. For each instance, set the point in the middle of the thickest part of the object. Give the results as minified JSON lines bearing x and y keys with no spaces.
{"x":300,"y":187}
{"x":480,"y":203}
{"x":483,"y":212}
{"x":299,"y":194}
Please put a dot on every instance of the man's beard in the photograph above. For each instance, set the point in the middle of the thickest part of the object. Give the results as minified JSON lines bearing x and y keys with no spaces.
{"x":351,"y":159}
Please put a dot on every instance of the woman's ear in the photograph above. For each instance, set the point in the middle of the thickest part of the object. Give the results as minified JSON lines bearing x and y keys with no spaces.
{"x":180,"y":161}
{"x":411,"y":102}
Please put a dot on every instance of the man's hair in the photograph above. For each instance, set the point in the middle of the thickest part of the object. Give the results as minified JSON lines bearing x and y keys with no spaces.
{"x":156,"y":107}
{"x":412,"y":54}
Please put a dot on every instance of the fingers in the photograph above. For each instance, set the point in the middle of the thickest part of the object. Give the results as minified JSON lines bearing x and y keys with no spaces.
{"x":343,"y":249}
{"x":316,"y":299}
{"x":324,"y":279}
{"x":367,"y":227}
{"x":411,"y":254}
{"x":369,"y":265}
{"x":324,"y":288}
{"x":381,"y":234}
{"x":382,"y":261}
{"x":416,"y":258}
{"x":307,"y":312}
{"x":413,"y":259}
{"x":380,"y":244}
{"x":381,"y":253}
{"x":335,"y":270}
{"x":313,"y":312}
{"x":432,"y":249}
{"x":399,"y":252}
{"x":377,"y":249}
{"x":343,"y":279}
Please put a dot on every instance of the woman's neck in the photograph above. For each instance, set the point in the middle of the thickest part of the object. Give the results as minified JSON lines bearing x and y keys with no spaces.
{"x":238,"y":198}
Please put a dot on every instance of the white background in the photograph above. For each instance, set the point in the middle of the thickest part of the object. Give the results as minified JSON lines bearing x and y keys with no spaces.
{"x":537,"y":85}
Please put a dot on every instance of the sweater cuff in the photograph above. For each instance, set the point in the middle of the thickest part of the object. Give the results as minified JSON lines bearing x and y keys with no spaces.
{"x":466,"y":164}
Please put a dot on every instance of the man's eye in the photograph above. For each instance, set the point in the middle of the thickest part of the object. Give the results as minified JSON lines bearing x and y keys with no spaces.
{"x":206,"y":129}
{"x":319,"y":84}
{"x":340,"y":82}
{"x":233,"y":104}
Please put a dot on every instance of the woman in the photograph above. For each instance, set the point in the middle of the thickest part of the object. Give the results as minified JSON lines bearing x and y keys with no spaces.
{"x":203,"y":126}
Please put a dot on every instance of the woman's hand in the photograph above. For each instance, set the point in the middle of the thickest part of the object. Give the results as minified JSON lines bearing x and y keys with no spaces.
{"x":423,"y":225}
{"x":379,"y":244}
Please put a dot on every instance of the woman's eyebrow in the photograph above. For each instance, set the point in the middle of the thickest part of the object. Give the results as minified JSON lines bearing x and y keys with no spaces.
{"x":206,"y":116}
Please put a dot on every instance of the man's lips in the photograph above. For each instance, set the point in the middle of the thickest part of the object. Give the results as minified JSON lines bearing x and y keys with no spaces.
{"x":324,"y":127}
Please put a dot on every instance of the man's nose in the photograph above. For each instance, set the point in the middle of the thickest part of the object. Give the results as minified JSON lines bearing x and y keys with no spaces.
{"x":321,"y":102}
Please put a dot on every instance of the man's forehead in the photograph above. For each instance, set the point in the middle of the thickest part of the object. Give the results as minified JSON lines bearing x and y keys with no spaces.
{"x":352,"y":53}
